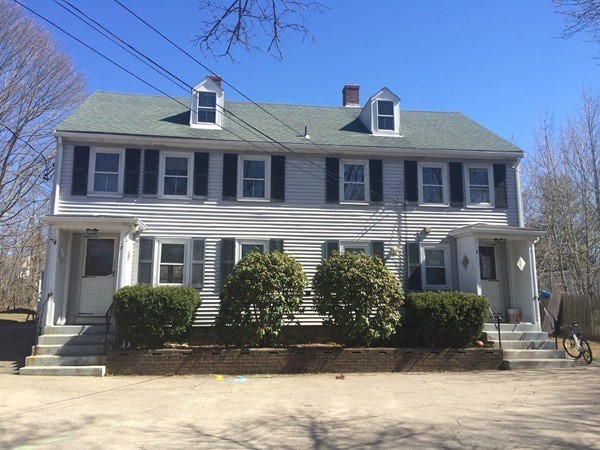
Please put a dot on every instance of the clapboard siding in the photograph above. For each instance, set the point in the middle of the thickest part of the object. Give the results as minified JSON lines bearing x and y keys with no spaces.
{"x":304,"y":221}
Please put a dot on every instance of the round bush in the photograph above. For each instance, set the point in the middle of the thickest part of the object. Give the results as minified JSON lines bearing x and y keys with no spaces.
{"x":446,"y":318}
{"x":262,"y":291}
{"x":147,"y":317}
{"x":359,"y":297}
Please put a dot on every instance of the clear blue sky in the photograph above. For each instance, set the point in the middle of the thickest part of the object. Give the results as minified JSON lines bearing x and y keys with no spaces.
{"x":498,"y":62}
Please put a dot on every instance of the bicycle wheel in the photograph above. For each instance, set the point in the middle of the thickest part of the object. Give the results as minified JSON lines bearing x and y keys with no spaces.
{"x":570,"y":347}
{"x":586,"y":351}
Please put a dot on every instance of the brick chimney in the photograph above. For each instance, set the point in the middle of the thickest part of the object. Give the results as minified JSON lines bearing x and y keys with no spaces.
{"x":216,"y":79}
{"x":350,"y":95}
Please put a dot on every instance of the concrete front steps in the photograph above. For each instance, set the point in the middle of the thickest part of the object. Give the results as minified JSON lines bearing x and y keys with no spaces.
{"x":526,"y":346}
{"x":69,"y":350}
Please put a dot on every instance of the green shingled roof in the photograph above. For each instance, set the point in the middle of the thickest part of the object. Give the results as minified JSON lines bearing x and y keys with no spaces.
{"x":147,"y":115}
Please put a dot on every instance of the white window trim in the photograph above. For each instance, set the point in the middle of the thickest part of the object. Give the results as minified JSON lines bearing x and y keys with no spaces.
{"x":365,"y":164}
{"x":218,"y":125}
{"x":375,"y":117}
{"x":364,"y":245}
{"x":446,"y":249}
{"x":161,"y":175}
{"x":92,"y":172}
{"x":240,"y":242}
{"x":469,"y":203}
{"x":187,"y":267}
{"x":240,"y":178}
{"x":445,"y":195}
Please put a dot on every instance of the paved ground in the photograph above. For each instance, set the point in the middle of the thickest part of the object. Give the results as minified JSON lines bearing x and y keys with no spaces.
{"x":16,"y":340}
{"x":556,"y":409}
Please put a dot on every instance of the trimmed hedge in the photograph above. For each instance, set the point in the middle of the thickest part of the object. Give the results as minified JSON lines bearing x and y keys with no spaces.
{"x":445,"y":318}
{"x":359,"y":297}
{"x":147,"y":316}
{"x":262,"y":291}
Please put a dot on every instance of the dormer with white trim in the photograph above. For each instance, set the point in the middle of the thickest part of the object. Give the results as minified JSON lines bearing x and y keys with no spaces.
{"x":208,"y":102}
{"x":381,"y":114}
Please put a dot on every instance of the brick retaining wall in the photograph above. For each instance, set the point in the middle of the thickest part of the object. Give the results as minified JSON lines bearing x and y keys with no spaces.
{"x":299,"y":360}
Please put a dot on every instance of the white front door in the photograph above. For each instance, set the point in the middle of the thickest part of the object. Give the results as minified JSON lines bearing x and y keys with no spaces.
{"x":490,"y":283}
{"x":98,"y":280}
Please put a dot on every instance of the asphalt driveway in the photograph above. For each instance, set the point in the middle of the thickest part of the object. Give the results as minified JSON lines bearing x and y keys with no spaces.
{"x":555,"y":409}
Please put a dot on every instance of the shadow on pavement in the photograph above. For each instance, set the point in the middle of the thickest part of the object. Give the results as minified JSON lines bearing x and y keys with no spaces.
{"x":16,"y":340}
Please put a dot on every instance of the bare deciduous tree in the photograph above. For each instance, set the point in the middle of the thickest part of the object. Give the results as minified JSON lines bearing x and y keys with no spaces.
{"x":563,"y":197}
{"x":247,"y":22}
{"x":580,"y":16}
{"x":38,"y":86}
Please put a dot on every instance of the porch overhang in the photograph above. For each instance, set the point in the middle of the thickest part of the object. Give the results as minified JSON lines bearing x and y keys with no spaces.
{"x":103,"y":223}
{"x":505,"y":232}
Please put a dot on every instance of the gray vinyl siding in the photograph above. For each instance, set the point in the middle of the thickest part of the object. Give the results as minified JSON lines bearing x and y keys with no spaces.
{"x":304,"y":221}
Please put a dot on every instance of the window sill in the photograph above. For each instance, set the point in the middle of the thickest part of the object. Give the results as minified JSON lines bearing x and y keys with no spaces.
{"x":105,"y":194}
{"x":206,"y":126}
{"x":174,"y":197}
{"x":252,"y":199}
{"x":354,"y":203}
{"x":480,"y":206}
{"x":435,"y":205}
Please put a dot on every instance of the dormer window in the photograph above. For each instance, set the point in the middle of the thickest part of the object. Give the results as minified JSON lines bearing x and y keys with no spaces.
{"x":207,"y":107}
{"x":208,"y":104}
{"x":385,"y":115}
{"x":381,"y":114}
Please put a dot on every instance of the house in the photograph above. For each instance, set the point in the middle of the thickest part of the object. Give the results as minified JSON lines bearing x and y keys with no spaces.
{"x":175,"y":191}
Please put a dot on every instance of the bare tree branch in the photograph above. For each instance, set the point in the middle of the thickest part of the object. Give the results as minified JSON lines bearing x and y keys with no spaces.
{"x":38,"y":87}
{"x":247,"y":23}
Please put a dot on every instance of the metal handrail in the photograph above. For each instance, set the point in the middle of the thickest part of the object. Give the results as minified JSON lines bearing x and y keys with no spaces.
{"x":108,"y":319}
{"x":497,"y":317}
{"x":555,"y":329}
{"x":41,"y":318}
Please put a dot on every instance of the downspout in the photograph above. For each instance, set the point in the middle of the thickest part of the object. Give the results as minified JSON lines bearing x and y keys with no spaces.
{"x":517,"y":169}
{"x":536,"y":305}
{"x":57,"y":174}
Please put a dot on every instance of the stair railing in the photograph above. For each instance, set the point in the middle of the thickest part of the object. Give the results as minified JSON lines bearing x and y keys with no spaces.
{"x":556,"y":328}
{"x":108,"y":319}
{"x":41,"y":318}
{"x":497,"y":318}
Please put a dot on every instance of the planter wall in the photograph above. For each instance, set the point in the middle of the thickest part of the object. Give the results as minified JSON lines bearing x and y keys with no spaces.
{"x":299,"y":360}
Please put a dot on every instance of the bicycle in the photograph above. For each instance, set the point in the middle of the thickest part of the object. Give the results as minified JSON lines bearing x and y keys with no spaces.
{"x":575,"y":345}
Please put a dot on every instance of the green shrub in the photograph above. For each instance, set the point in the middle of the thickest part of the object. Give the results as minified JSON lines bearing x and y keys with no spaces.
{"x":445,"y":318}
{"x":149,"y":316}
{"x":262,"y":291}
{"x":359,"y":297}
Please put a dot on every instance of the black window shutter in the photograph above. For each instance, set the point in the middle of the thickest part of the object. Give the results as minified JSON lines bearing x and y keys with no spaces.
{"x":456,"y":184}
{"x":330,"y":247}
{"x":377,"y":249}
{"x":230,"y":176}
{"x":276,"y":245}
{"x":332,"y":180}
{"x":278,"y":178}
{"x":227,"y":258}
{"x":413,"y":265}
{"x":500,"y":185}
{"x":132,"y":171}
{"x":411,"y":183}
{"x":376,"y":180}
{"x":151,"y":171}
{"x":81,"y":162}
{"x":200,"y":174}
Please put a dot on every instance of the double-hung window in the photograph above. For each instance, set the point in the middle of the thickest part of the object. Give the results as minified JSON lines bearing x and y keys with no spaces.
{"x":254,"y":177}
{"x":436,"y":267}
{"x":479,"y":188}
{"x":171,"y":261}
{"x":171,"y":268}
{"x":385,"y":115}
{"x":432,"y":184}
{"x":247,"y":246}
{"x":106,"y":172}
{"x":355,"y":247}
{"x":175,"y":175}
{"x":354,"y":187}
{"x":207,"y":107}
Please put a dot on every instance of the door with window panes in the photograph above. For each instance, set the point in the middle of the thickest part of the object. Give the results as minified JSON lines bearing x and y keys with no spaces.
{"x":490,"y":282}
{"x":98,"y":281}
